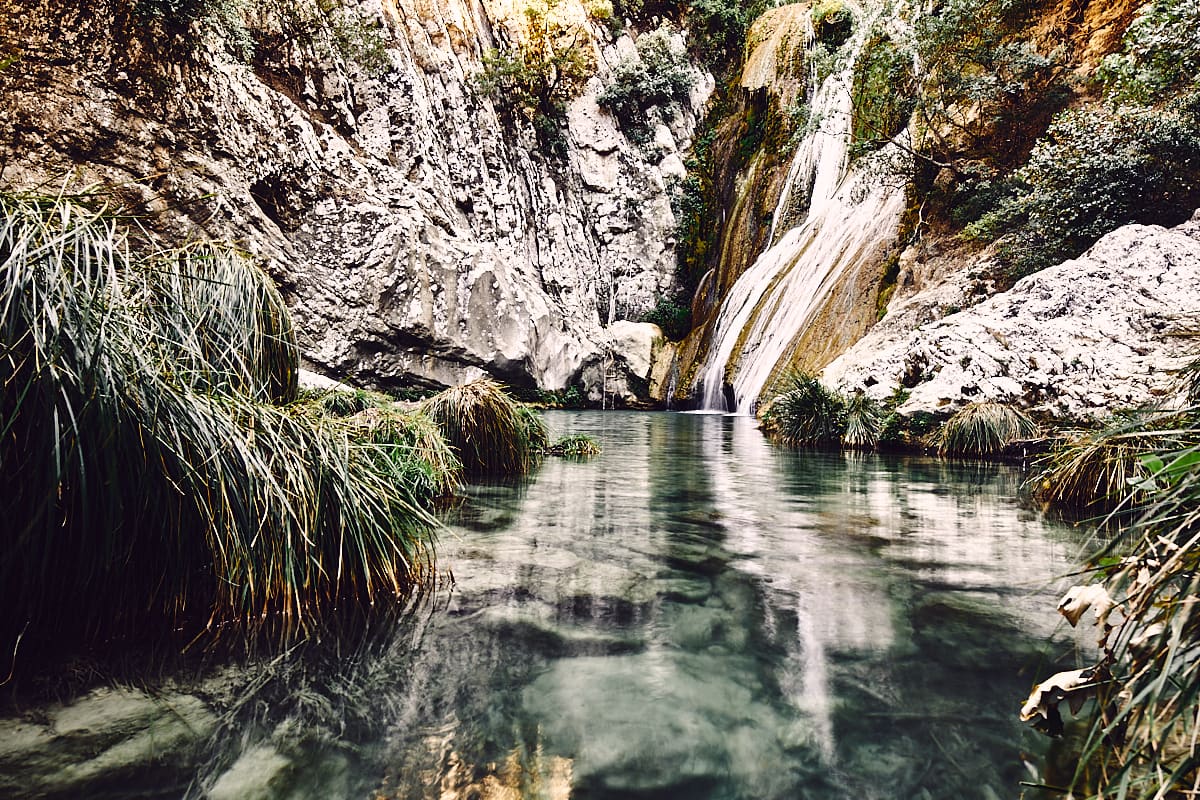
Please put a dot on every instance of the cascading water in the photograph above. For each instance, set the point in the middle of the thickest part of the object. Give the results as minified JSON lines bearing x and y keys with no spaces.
{"x":851,"y":217}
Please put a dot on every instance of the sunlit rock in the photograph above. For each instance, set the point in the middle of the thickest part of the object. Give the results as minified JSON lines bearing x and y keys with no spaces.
{"x":1074,"y":341}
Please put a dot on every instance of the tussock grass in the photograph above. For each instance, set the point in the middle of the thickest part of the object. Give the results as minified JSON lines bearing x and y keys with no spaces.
{"x":145,"y":473}
{"x":805,"y":414}
{"x":1104,"y":469}
{"x":492,"y":433}
{"x":983,"y":429}
{"x":413,"y":442}
{"x":864,"y":422}
{"x":575,"y":445}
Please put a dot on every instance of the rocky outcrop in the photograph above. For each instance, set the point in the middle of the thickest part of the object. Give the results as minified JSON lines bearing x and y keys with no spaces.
{"x":421,"y":233}
{"x":1107,"y":330}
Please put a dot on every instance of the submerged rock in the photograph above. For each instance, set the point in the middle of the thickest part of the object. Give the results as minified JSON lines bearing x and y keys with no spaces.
{"x":1074,"y":341}
{"x":123,"y":739}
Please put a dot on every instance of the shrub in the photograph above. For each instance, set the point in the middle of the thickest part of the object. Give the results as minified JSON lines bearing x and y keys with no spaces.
{"x":1160,"y":53}
{"x":492,"y":433}
{"x":146,"y":476}
{"x":537,"y":80}
{"x":1093,"y":172}
{"x":658,"y":74}
{"x":883,"y":93}
{"x":983,"y":429}
{"x":413,"y":443}
{"x":673,"y":315}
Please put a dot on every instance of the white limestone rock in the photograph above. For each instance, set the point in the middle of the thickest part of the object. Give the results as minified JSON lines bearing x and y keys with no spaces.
{"x":418,"y":236}
{"x":1074,"y":341}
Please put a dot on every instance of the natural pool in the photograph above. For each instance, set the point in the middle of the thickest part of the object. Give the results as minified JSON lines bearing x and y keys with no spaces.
{"x":693,"y":614}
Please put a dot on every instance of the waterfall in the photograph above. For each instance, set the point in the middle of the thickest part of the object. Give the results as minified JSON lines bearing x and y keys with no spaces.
{"x":850,"y":218}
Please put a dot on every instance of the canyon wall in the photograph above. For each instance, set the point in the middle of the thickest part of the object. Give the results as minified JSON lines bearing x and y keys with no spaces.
{"x":422,"y":232}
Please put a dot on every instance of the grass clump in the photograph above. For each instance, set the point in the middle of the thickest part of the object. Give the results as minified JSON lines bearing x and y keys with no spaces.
{"x":576,"y":445}
{"x":1104,"y":469}
{"x":983,"y":429}
{"x":428,"y":467}
{"x":805,"y":414}
{"x":492,"y":433}
{"x":150,"y":476}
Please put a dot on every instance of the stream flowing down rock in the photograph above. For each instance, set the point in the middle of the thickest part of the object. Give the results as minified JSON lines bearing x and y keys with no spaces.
{"x":1107,"y":330}
{"x":421,"y":232}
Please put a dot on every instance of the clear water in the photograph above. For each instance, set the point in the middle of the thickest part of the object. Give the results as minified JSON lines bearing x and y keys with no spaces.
{"x":697,"y":614}
{"x":693,"y":614}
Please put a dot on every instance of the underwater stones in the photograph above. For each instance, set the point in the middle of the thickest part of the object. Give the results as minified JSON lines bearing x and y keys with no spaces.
{"x":111,"y":736}
{"x":1074,"y":341}
{"x":708,"y":728}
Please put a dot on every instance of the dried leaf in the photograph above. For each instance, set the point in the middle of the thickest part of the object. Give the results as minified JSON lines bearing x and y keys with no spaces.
{"x":1075,"y":686}
{"x":1079,"y":599}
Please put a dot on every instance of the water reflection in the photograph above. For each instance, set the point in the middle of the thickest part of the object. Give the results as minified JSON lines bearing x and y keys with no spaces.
{"x":697,"y":614}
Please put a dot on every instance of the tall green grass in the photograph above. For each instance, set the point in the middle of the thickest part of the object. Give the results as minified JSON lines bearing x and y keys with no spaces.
{"x":805,"y":414}
{"x":146,"y":472}
{"x":492,"y":433}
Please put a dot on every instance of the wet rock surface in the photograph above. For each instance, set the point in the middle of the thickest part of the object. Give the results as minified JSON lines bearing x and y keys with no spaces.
{"x":1101,"y":332}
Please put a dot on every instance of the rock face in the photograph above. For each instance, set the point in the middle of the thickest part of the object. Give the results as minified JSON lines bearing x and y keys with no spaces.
{"x":419,"y":231}
{"x":1075,"y":341}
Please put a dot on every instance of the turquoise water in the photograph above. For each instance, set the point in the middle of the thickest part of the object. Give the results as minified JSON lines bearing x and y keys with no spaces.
{"x":698,"y":614}
{"x":693,"y":614}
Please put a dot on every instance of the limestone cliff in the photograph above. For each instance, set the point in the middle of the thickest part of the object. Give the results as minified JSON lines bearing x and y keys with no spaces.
{"x":421,"y":233}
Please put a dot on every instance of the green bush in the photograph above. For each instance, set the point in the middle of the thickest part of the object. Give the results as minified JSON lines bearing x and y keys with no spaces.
{"x":673,"y":315}
{"x":833,"y":23}
{"x":575,"y":445}
{"x":658,"y":74}
{"x":1161,"y":53}
{"x":1094,"y":171}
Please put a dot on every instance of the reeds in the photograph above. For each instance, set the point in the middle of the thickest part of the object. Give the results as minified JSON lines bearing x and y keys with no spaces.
{"x":1144,"y":739}
{"x":983,"y":429}
{"x":492,"y":433}
{"x":145,"y":472}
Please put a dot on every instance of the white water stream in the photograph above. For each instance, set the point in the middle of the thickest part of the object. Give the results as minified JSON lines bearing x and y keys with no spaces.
{"x":850,"y":218}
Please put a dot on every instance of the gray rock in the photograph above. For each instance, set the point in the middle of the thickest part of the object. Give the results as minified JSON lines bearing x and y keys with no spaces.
{"x":1074,"y":341}
{"x":418,"y":236}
